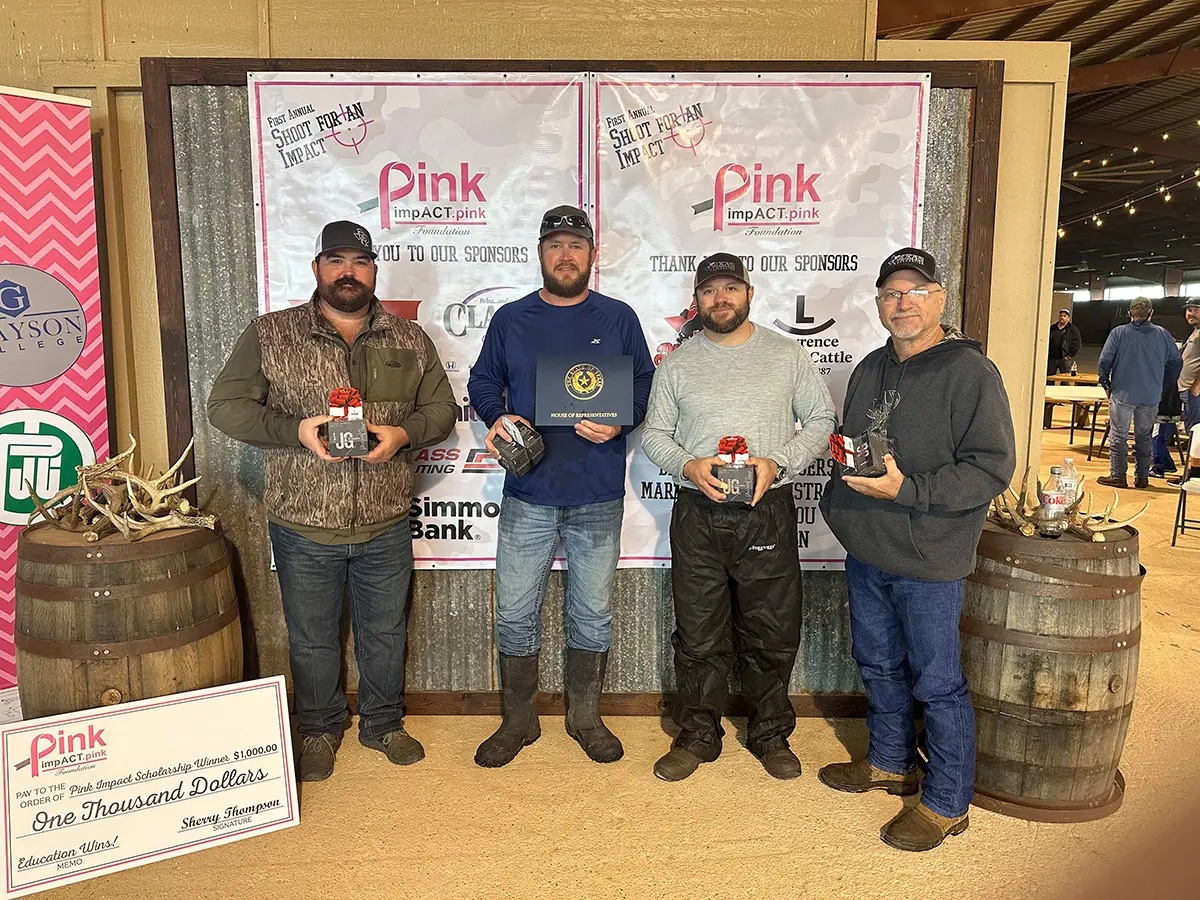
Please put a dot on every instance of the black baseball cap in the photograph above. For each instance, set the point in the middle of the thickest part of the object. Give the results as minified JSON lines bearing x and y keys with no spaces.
{"x":920,"y":261}
{"x":570,"y":219}
{"x":344,"y":235}
{"x":1192,"y":301}
{"x":720,"y":264}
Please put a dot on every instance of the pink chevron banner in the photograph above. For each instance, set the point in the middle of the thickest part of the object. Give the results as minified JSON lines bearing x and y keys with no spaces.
{"x":53,"y":401}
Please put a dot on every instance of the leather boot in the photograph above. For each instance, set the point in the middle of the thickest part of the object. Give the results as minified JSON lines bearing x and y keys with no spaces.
{"x":859,"y":776}
{"x":519,"y":726}
{"x":920,"y":828}
{"x":583,"y":679}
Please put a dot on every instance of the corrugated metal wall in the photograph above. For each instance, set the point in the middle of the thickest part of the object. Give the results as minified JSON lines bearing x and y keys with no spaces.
{"x":450,"y":627}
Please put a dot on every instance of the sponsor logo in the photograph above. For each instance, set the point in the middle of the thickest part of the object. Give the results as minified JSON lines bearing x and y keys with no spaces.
{"x":417,"y":196}
{"x":476,"y":311}
{"x":42,"y":326}
{"x":802,"y":320}
{"x":906,"y":259}
{"x":38,"y":449}
{"x":60,"y":751}
{"x":755,"y":196}
{"x":584,"y":381}
{"x":480,"y":459}
{"x":436,"y":460}
{"x":595,"y":340}
{"x":761,"y":547}
{"x":451,"y":520}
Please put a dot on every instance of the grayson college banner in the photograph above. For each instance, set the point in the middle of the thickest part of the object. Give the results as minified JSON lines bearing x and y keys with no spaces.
{"x":812,"y":179}
{"x":53,"y":401}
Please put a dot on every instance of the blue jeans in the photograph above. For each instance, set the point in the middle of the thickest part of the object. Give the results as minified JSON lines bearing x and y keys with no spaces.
{"x":904,"y":637}
{"x":528,"y":536}
{"x":313,"y":579}
{"x":1191,"y":409}
{"x":1119,"y":416}
{"x":1164,"y":434}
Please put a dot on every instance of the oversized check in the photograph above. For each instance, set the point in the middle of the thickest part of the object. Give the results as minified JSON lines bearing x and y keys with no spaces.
{"x":101,"y":790}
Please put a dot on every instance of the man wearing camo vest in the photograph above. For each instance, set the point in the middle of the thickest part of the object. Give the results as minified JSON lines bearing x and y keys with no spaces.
{"x":339,"y":525}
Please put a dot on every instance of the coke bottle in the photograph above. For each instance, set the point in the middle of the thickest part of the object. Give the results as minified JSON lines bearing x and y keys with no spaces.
{"x":1051,"y":517}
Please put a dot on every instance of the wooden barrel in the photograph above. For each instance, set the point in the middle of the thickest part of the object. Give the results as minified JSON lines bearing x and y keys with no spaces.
{"x":1050,"y":632}
{"x":98,"y":624}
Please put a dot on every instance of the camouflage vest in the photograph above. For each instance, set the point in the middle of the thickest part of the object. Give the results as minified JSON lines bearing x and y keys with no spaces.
{"x":304,"y":358}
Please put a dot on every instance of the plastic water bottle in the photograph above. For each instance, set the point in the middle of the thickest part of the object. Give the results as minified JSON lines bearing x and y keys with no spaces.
{"x":1074,"y":368}
{"x":1069,"y":480}
{"x":1052,"y":519}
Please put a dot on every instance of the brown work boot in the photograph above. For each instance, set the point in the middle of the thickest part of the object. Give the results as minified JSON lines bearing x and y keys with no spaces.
{"x":317,"y":753}
{"x":677,"y":765}
{"x":920,"y":828}
{"x":859,"y":776}
{"x":398,"y":746}
{"x":1113,"y":481}
{"x":780,"y":762}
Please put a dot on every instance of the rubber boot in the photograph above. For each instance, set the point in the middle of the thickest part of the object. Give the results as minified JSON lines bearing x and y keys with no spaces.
{"x":583,"y":679}
{"x":519,"y":726}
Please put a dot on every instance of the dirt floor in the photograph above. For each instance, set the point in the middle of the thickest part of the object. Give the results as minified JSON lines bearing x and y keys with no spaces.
{"x":553,"y":824}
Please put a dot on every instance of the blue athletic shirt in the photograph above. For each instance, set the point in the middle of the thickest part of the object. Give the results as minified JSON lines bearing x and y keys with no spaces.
{"x":574,"y":472}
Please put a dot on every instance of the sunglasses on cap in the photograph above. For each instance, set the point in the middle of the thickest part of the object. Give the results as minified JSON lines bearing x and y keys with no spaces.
{"x":568,"y":221}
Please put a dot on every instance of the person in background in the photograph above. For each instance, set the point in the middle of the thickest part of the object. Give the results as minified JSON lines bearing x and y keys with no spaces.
{"x":1137,"y":361}
{"x":1065,"y":344}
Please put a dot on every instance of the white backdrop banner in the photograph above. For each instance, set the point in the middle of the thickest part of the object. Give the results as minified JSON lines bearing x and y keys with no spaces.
{"x":811,"y":178}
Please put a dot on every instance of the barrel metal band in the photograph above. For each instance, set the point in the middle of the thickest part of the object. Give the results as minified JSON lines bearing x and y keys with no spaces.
{"x":1115,"y":587}
{"x":1068,"y":546}
{"x":1023,"y":563}
{"x":1002,"y":635}
{"x":77,"y":594}
{"x":178,"y":541}
{"x":121,"y":649}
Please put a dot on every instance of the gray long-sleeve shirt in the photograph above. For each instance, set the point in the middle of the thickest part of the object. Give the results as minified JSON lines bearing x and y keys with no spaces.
{"x":760,"y":389}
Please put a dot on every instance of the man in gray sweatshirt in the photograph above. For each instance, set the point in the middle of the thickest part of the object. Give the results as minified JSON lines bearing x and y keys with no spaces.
{"x":910,"y":536}
{"x":734,"y":378}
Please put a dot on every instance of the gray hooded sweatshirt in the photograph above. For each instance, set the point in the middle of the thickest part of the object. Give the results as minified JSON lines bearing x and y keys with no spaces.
{"x":953,"y":436}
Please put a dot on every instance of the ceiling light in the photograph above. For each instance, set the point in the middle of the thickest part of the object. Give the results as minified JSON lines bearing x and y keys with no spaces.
{"x":1062,"y":232}
{"x":1166,"y":136}
{"x":1104,"y":162}
{"x":1168,"y":197}
{"x":1135,"y":149}
{"x":1132,"y":210}
{"x":1075,"y":174}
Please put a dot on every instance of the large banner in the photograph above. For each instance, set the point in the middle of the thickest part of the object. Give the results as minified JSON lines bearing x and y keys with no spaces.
{"x":53,"y":402}
{"x":450,"y":173}
{"x":813,"y":179}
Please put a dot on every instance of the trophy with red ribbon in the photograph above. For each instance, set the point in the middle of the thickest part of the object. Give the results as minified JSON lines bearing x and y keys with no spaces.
{"x":347,"y":433}
{"x":734,"y":471}
{"x":864,"y":454}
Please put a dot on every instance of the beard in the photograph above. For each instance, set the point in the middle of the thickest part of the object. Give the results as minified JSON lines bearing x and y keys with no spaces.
{"x":906,"y":328}
{"x":570,"y":283}
{"x":347,"y":294}
{"x":727,"y":324}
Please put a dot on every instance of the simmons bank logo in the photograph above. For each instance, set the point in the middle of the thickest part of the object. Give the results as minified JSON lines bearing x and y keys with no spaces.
{"x":754,"y":196}
{"x":59,"y":752}
{"x":409,"y":196}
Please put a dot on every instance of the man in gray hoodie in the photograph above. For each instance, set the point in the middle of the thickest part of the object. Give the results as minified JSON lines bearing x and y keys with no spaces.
{"x":910,"y":536}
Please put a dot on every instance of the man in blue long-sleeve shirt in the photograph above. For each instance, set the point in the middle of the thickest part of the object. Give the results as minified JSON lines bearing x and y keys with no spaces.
{"x":576,"y":493}
{"x":1137,"y":361}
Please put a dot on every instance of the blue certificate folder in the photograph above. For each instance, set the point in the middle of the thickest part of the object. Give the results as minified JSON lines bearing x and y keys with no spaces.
{"x":570,"y":389}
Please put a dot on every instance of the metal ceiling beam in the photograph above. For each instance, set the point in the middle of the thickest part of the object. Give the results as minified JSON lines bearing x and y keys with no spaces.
{"x":1017,"y":22}
{"x":1137,"y":14}
{"x":1149,"y":33}
{"x":901,"y":15}
{"x":1086,"y":14}
{"x":1138,"y":70}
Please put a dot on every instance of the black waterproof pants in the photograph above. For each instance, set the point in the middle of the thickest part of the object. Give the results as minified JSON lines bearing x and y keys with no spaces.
{"x":736,"y":580}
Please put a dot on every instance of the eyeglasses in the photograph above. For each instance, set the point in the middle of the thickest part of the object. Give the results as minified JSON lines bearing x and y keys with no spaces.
{"x":917,"y":294}
{"x":569,"y":221}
